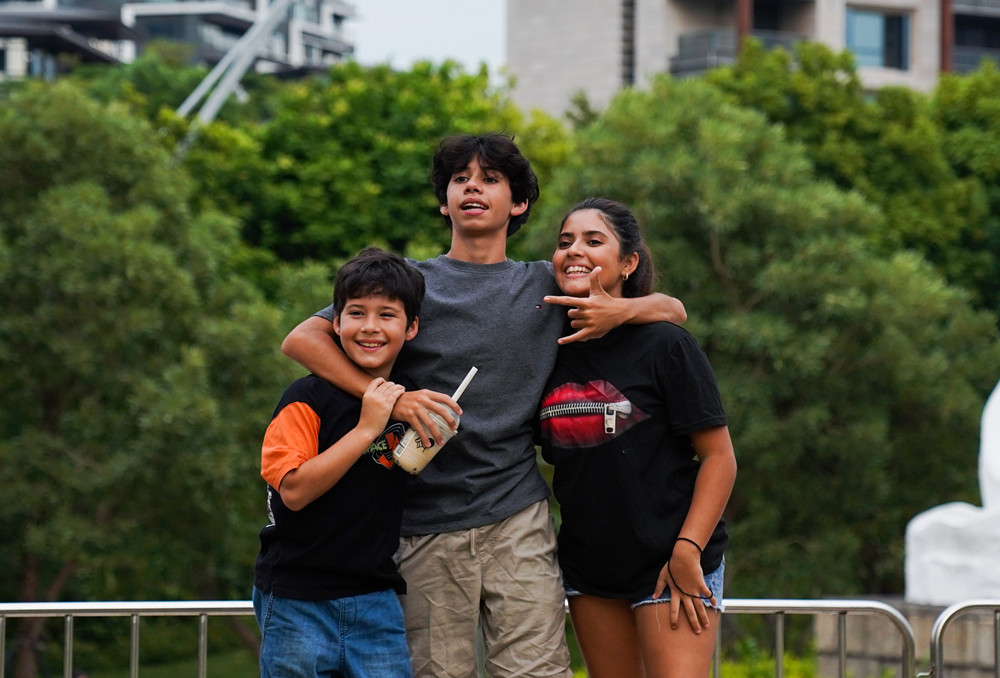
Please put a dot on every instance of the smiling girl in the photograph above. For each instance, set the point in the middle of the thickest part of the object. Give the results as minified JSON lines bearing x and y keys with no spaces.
{"x":634,"y":425}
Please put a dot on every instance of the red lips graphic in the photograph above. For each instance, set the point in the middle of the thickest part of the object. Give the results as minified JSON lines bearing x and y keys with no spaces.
{"x":586,"y":416}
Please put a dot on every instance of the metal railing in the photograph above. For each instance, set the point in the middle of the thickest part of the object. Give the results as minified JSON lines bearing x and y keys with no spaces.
{"x":949,"y":615}
{"x":779,"y":608}
{"x":134,"y":610}
{"x":776,"y":608}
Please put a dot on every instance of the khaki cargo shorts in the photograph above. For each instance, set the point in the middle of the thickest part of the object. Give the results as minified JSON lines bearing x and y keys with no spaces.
{"x":501,"y":578}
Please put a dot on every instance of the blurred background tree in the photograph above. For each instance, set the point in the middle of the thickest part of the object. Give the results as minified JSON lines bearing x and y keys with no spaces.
{"x":345,"y":160}
{"x":139,"y":370}
{"x":837,"y":253}
{"x":838,"y":362}
{"x":892,"y":148}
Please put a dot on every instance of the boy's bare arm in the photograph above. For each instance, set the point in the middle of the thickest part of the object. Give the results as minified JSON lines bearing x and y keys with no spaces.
{"x":303,"y":485}
{"x":311,"y":345}
{"x":596,"y":315}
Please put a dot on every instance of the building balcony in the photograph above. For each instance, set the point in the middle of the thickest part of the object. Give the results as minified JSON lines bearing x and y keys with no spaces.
{"x":703,"y":50}
{"x":333,"y":44}
{"x":967,"y":59}
{"x":343,"y":8}
{"x":43,"y":42}
{"x":243,"y":4}
{"x":977,"y":7}
{"x":233,"y":14}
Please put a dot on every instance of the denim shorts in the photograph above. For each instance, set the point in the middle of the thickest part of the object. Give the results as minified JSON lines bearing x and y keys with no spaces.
{"x":359,"y":635}
{"x":714,"y":581}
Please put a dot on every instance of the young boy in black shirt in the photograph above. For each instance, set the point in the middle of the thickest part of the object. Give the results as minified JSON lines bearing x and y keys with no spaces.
{"x":325,"y":589}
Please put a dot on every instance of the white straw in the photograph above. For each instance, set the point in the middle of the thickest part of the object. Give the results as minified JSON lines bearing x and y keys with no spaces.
{"x":465,"y":382}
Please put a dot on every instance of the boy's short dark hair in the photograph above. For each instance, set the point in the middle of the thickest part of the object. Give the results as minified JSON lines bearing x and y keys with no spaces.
{"x":495,"y":152}
{"x":375,"y":271}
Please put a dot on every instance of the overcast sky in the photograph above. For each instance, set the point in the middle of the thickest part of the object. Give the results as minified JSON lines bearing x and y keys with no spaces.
{"x":403,"y":31}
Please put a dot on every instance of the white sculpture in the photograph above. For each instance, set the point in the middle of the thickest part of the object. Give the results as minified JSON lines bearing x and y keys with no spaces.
{"x":953,"y":550}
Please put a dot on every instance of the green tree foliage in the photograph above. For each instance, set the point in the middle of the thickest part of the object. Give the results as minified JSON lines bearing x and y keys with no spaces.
{"x":157,"y":79}
{"x":348,"y":158}
{"x":888,"y":147}
{"x":161,"y":79}
{"x":139,"y":369}
{"x":967,"y":110}
{"x":320,"y":167}
{"x":854,"y":380}
{"x":344,"y":160}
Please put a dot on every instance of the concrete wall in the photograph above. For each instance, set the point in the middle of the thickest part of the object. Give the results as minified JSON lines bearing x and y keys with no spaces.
{"x":558,"y":47}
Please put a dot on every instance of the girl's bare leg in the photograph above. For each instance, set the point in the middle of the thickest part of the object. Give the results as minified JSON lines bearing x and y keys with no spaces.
{"x":674,"y":653}
{"x":606,"y":631}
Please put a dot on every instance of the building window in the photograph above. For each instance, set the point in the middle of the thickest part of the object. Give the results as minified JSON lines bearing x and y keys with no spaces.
{"x":879,"y":38}
{"x":628,"y":43}
{"x":977,"y":31}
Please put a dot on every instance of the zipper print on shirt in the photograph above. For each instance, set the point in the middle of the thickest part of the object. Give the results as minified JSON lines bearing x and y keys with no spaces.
{"x":610,"y":411}
{"x":575,"y":415}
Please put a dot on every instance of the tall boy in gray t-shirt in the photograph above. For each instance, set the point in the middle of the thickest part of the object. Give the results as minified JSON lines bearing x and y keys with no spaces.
{"x":479,"y":546}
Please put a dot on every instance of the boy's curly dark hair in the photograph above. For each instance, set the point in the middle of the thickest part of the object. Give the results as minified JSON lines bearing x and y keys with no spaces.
{"x":494,"y":151}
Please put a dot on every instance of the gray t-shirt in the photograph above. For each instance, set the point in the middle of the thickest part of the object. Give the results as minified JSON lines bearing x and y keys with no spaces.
{"x":490,"y":316}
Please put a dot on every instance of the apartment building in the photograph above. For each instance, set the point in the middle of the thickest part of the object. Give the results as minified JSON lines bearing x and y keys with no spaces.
{"x":43,"y":38}
{"x":312,"y":36}
{"x":557,"y":48}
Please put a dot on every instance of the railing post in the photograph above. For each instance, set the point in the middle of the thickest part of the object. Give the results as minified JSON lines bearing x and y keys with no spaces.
{"x":996,"y":643}
{"x":68,"y":647}
{"x":202,"y":646}
{"x":133,"y":648}
{"x":842,"y":644}
{"x":948,"y":616}
{"x":779,"y":645}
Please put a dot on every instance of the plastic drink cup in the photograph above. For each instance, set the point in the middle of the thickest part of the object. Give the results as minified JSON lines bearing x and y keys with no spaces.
{"x":410,"y":453}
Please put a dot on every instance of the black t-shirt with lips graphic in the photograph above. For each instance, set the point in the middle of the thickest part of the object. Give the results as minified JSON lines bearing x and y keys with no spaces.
{"x":614,"y":422}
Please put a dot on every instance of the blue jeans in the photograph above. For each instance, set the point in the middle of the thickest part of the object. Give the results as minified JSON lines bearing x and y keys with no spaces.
{"x":714,"y":581}
{"x":355,"y":637}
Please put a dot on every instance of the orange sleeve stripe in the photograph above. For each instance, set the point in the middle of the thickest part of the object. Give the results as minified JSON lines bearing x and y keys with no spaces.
{"x":291,"y":439}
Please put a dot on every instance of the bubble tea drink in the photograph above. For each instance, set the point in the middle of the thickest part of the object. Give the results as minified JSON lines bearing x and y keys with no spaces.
{"x":410,"y":454}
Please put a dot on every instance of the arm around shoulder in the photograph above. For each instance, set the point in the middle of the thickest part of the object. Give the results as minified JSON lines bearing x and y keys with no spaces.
{"x":309,"y":337}
{"x":656,"y":307}
{"x":311,"y":344}
{"x":596,"y":315}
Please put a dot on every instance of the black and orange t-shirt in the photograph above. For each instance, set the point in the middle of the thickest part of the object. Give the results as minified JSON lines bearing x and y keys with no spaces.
{"x":342,"y":543}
